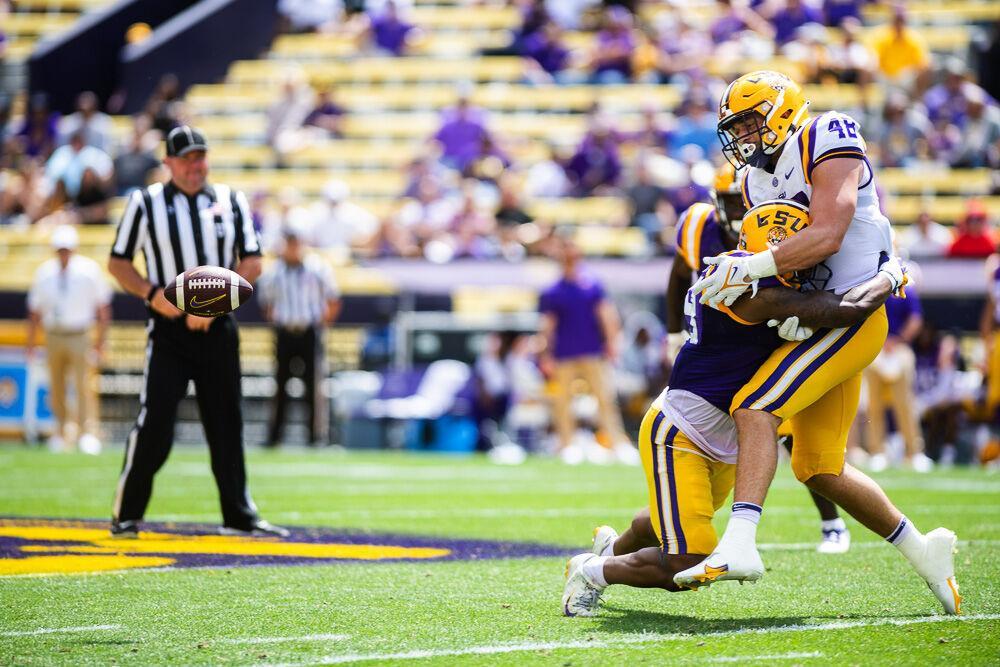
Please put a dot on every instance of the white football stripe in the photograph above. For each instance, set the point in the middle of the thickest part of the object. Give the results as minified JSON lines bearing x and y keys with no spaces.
{"x":179,"y":293}
{"x":278,"y":640}
{"x":234,"y":290}
{"x":636,"y":639}
{"x":52,"y":631}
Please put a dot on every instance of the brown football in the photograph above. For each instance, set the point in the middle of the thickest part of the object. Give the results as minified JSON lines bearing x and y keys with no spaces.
{"x":208,"y":291}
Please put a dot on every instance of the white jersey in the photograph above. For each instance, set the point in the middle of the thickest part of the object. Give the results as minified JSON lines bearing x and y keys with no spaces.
{"x":831,"y":135}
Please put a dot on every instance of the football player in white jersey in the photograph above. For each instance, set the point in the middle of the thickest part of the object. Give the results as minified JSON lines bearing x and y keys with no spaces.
{"x":820,"y":163}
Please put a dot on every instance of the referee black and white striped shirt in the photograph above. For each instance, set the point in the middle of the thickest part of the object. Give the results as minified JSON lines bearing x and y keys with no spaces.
{"x":298,"y":293}
{"x":177,"y":232}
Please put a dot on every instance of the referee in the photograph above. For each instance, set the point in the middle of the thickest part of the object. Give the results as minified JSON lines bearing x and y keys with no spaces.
{"x":299,"y":295}
{"x":178,"y":226}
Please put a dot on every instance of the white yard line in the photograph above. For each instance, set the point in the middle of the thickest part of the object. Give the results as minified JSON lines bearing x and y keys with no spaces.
{"x":762,"y":658}
{"x":630,"y":640}
{"x":279,"y":640}
{"x":535,"y":512}
{"x":53,"y":631}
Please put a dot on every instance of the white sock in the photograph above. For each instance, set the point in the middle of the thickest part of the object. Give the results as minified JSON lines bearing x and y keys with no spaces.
{"x":593,"y":569}
{"x":742,"y":527}
{"x":908,"y":540}
{"x":610,"y":549}
{"x":833,"y":524}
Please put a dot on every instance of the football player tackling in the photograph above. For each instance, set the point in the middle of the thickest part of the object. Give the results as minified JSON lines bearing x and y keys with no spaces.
{"x":821,"y":163}
{"x":710,"y":229}
{"x":688,"y":441}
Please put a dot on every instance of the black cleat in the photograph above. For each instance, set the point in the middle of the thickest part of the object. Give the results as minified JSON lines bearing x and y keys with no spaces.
{"x":260,"y":528}
{"x":125,"y":530}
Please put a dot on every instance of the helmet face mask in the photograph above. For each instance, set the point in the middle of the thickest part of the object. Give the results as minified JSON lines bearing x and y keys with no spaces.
{"x":730,"y":209}
{"x":742,"y":137}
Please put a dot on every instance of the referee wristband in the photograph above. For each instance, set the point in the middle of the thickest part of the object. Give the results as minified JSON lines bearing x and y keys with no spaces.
{"x":152,"y":293}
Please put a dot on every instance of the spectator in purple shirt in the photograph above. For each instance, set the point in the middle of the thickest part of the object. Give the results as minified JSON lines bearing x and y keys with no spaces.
{"x":462,"y":134}
{"x":40,"y":130}
{"x":947,"y":101}
{"x":836,"y":11}
{"x":546,"y":54}
{"x":791,"y":17}
{"x":389,"y":32}
{"x":597,"y":164}
{"x":327,"y":114}
{"x":735,"y":17}
{"x":580,"y":327}
{"x":611,"y":61}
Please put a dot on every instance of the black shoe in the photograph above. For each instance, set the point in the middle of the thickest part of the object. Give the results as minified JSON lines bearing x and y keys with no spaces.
{"x":260,"y":528}
{"x":125,"y":530}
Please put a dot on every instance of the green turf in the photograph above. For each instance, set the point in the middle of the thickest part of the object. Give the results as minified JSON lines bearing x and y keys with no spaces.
{"x":869,"y":607}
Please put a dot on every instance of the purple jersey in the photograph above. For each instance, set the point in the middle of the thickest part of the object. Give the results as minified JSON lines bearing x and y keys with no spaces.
{"x":721,"y":354}
{"x":699,"y":235}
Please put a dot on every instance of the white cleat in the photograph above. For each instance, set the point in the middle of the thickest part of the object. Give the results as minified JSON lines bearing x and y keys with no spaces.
{"x":580,"y":596}
{"x":921,"y":463}
{"x":835,"y":542}
{"x":572,"y":454}
{"x":878,"y":463}
{"x":724,"y":564}
{"x":604,"y":536}
{"x":89,"y":444}
{"x":627,"y":454}
{"x":938,"y":568}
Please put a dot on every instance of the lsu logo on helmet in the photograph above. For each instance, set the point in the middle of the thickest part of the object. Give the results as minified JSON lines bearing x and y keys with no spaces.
{"x":771,"y":222}
{"x":757,"y":114}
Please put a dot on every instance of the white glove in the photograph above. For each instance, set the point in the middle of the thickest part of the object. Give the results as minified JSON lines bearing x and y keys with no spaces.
{"x":790,"y":329}
{"x":894,"y":270}
{"x":733,"y":275}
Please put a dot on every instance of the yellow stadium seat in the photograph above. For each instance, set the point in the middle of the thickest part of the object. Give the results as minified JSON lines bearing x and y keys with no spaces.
{"x":960,"y":181}
{"x":477,"y":301}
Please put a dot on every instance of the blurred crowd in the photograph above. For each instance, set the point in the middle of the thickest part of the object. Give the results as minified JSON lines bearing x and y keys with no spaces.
{"x":66,"y":169}
{"x":469,"y":189}
{"x":468,"y":193}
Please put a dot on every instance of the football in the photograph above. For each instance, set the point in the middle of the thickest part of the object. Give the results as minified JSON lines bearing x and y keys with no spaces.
{"x":208,"y":291}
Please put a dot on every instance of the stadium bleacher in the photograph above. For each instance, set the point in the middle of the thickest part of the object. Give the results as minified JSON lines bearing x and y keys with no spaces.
{"x":392,"y":106}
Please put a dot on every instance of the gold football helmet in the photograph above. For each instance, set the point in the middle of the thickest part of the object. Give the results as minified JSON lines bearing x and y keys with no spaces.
{"x":757,"y":114}
{"x":771,"y":222}
{"x":728,"y":200}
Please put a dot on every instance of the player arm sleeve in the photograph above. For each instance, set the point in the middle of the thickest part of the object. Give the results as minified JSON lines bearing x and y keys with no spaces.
{"x":677,"y":288}
{"x":132,"y":227}
{"x":247,"y":240}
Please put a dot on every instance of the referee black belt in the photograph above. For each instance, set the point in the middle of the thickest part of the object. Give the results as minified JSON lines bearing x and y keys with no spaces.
{"x":296,"y":328}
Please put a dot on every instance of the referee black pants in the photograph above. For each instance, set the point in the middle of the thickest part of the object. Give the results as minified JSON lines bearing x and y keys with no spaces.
{"x":306,"y":347}
{"x":174,"y":356}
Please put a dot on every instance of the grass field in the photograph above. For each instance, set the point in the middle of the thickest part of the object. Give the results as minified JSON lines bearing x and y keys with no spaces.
{"x":865,"y":607}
